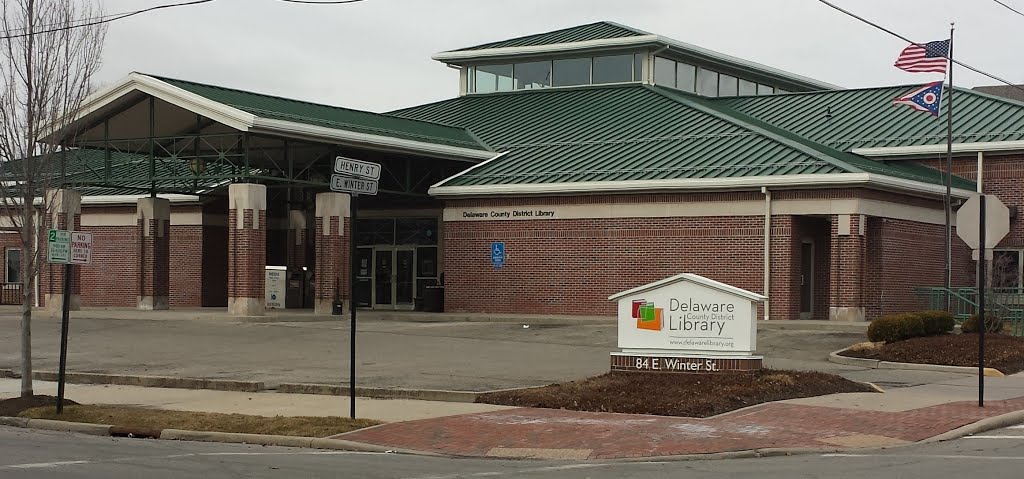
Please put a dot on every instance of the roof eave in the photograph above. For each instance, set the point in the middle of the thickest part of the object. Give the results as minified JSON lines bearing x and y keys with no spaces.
{"x":703,"y":184}
{"x":219,"y":112}
{"x":924,"y":150}
{"x":461,"y":56}
{"x":320,"y":133}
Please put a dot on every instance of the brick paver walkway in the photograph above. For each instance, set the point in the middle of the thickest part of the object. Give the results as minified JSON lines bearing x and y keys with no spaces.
{"x":525,"y":431}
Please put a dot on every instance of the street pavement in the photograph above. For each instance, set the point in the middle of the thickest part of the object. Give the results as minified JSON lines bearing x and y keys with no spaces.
{"x":43,"y":454}
{"x":391,"y":353}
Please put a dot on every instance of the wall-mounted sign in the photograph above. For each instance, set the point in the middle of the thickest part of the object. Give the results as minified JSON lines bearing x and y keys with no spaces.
{"x":498,"y":254}
{"x":679,"y":323}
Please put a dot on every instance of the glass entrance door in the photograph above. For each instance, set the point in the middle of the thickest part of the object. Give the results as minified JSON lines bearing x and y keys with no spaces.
{"x":383,"y":266}
{"x":806,"y":279}
{"x":394,"y":277}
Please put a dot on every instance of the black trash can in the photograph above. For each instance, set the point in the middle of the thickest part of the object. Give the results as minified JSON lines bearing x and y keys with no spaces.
{"x":433,"y":299}
{"x":336,"y":307}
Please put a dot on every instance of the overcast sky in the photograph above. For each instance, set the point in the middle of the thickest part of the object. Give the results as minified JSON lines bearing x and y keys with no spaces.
{"x":375,"y":55}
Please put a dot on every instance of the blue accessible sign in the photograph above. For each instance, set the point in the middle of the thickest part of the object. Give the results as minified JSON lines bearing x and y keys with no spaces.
{"x":498,"y":254}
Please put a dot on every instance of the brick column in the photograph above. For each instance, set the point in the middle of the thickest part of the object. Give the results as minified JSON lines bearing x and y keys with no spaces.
{"x":331,"y":276}
{"x":153,"y":217}
{"x":297,"y":241}
{"x":247,"y":249}
{"x":65,"y":213}
{"x":846,"y":279}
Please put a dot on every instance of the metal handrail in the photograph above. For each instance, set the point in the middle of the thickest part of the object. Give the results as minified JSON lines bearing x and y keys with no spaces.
{"x":962,"y":302}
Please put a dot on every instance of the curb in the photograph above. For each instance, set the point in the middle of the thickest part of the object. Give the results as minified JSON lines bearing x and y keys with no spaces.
{"x":146,"y":381}
{"x":205,"y":436}
{"x":835,"y":357}
{"x":251,"y":386}
{"x":380,"y":393}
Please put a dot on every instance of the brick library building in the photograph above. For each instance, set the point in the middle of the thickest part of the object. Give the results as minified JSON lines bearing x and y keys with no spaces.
{"x":573,"y":165}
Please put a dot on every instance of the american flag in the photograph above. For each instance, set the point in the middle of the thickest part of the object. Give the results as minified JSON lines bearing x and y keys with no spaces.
{"x":929,"y":57}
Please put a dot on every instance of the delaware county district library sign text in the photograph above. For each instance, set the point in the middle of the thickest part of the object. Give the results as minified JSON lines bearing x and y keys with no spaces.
{"x":687,"y":323}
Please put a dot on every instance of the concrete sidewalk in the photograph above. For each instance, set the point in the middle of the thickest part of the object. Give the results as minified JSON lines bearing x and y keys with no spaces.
{"x":255,"y":403}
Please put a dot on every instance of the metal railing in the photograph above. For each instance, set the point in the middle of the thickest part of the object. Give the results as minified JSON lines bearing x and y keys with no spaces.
{"x":1006,"y":303}
{"x":10,"y":293}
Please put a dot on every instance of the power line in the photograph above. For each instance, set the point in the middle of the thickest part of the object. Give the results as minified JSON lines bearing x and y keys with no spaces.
{"x":901,"y":37}
{"x":118,"y":16}
{"x":1014,"y":10}
{"x":106,"y":19}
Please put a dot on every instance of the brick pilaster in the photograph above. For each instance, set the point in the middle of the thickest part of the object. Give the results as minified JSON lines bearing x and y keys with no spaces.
{"x":64,"y":213}
{"x":153,"y":220}
{"x":849,"y":254}
{"x":331,"y":276}
{"x":247,"y":249}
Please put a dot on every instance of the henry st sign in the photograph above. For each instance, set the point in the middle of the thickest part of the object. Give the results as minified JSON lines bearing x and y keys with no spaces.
{"x":356,"y":168}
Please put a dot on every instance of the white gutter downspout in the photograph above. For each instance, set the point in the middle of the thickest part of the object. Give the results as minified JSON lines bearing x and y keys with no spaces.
{"x":767,"y":247}
{"x":981,"y":160}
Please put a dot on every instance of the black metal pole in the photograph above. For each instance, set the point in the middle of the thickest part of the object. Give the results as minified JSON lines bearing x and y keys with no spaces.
{"x":353,"y":210}
{"x":948,"y":199}
{"x":65,"y":314}
{"x":982,"y":320}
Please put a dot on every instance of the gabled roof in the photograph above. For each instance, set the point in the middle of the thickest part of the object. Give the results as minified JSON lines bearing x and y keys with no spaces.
{"x":255,"y":112}
{"x":640,"y":135}
{"x":852,"y":120}
{"x":278,"y":108}
{"x":582,"y":33}
{"x":603,"y":36}
{"x":1013,"y":92}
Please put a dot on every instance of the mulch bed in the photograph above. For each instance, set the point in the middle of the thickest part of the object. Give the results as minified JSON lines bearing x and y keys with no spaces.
{"x":15,"y":406}
{"x":1003,"y":352}
{"x":670,"y":394}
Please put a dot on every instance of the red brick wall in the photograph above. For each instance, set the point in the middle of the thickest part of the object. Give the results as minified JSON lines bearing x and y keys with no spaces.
{"x":113,"y":277}
{"x":332,"y":259}
{"x":572,"y":266}
{"x":904,"y":255}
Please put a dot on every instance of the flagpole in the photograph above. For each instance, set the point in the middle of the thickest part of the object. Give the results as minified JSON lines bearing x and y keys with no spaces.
{"x":949,"y":176}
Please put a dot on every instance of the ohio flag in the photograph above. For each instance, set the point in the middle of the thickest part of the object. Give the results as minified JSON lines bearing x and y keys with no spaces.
{"x":926,"y":98}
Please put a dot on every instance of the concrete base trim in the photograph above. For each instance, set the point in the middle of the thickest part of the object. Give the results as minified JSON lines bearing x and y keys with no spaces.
{"x":54,"y":302}
{"x":154,"y":303}
{"x":846,"y":313}
{"x":324,"y":307}
{"x":246,"y":306}
{"x":835,"y":357}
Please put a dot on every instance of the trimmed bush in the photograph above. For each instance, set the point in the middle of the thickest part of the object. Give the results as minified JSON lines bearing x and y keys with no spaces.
{"x":937,"y":322}
{"x":896,"y":327}
{"x":993,"y":324}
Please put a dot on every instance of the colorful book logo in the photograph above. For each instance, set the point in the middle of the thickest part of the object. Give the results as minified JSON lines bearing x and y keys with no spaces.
{"x":646,"y":315}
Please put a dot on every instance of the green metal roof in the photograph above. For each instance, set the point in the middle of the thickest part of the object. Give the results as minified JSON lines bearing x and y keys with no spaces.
{"x":581,"y":33}
{"x":633,"y":132}
{"x":267,"y":106}
{"x":866,"y":118}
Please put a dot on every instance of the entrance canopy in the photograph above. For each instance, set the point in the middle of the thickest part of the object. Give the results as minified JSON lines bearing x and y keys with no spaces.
{"x":161,"y":135}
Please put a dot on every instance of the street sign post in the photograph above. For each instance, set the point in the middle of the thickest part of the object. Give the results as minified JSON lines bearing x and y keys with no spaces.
{"x":354,"y":177}
{"x":982,"y":222}
{"x":68,"y":248}
{"x":357,"y":168}
{"x":356,"y":186}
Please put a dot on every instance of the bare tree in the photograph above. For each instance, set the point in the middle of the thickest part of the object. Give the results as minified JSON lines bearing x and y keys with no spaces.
{"x":48,"y":54}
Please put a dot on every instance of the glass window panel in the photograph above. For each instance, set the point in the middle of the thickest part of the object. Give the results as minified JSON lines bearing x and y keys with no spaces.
{"x":686,"y":77}
{"x":491,"y":78}
{"x":1005,"y":269}
{"x":375,"y":231}
{"x":707,"y":82}
{"x":638,"y":67}
{"x":727,"y":85}
{"x":765,"y":89}
{"x":613,"y":69}
{"x":426,"y":262}
{"x":13,"y":265}
{"x":664,"y":72}
{"x":572,"y":71}
{"x":747,"y":87}
{"x":532,"y":75}
{"x":416,"y":231}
